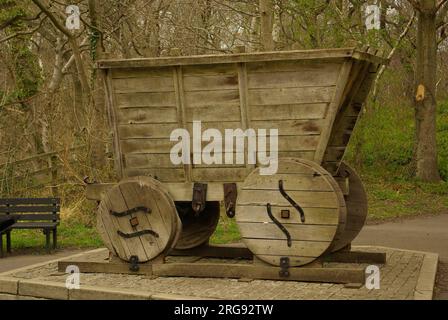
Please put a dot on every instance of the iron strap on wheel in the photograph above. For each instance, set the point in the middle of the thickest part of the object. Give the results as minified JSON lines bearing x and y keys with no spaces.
{"x":130,"y":211}
{"x":291,"y":201}
{"x":284,"y":230}
{"x":137,"y":234}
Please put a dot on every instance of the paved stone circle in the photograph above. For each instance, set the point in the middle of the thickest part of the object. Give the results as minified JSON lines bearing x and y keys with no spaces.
{"x":399,"y":280}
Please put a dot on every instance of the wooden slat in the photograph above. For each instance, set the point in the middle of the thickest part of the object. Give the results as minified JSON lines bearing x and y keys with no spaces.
{"x":211,"y":82}
{"x":282,"y":96}
{"x":149,"y":161}
{"x":210,"y":98}
{"x":305,"y":182}
{"x":154,"y":130}
{"x":146,"y":146}
{"x":335,"y":54}
{"x":308,"y":68}
{"x":144,"y":84}
{"x":298,"y":143}
{"x":146,"y":99}
{"x":289,"y":112}
{"x":285,"y":144}
{"x":33,"y":217}
{"x":15,"y":209}
{"x":129,"y":73}
{"x":318,"y":200}
{"x":222,"y":175}
{"x":226,"y":69}
{"x":20,"y":201}
{"x":295,"y":77}
{"x":313,"y":216}
{"x":279,"y":247}
{"x":290,"y":127}
{"x":181,"y":110}
{"x":298,"y":232}
{"x":34,"y":225}
{"x":217,"y":112}
{"x":164,"y":175}
{"x":113,"y":122}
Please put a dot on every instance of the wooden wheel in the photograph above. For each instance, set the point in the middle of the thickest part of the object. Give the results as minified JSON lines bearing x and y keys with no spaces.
{"x":357,"y":207}
{"x":265,"y":231}
{"x":197,"y":229}
{"x":138,"y":218}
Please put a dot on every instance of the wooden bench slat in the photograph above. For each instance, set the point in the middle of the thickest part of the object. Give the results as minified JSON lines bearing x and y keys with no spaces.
{"x":35,"y":225}
{"x":20,"y":201}
{"x":33,"y":217}
{"x":17,"y":209}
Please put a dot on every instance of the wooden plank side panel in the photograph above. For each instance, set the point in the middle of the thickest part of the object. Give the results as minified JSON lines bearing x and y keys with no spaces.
{"x":305,"y":111}
{"x":146,"y":99}
{"x":147,"y":115}
{"x":138,"y":73}
{"x":210,"y":82}
{"x":290,"y":127}
{"x":146,"y":130}
{"x":336,"y":103}
{"x":144,"y":84}
{"x":113,"y":122}
{"x":282,"y":96}
{"x":348,"y":116}
{"x":292,"y":74}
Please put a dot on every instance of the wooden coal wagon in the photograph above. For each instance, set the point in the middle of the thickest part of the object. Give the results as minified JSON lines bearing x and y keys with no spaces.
{"x":313,"y":206}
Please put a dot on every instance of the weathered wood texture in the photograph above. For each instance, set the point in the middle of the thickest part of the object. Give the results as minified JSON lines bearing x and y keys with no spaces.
{"x":357,"y":207}
{"x":155,"y":211}
{"x":314,"y":190}
{"x":312,"y":97}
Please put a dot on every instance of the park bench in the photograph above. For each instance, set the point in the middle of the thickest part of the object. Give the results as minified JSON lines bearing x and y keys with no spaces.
{"x":41,"y":213}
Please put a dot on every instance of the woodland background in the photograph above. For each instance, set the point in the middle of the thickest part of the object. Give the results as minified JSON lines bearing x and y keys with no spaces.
{"x":53,"y":129}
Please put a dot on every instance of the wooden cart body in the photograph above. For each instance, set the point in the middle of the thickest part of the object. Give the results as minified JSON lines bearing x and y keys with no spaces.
{"x":312,"y":97}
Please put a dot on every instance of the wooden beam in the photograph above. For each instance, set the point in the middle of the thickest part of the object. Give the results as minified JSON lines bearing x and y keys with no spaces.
{"x":217,"y":251}
{"x":356,"y":257}
{"x":224,"y":270}
{"x":242,"y":57}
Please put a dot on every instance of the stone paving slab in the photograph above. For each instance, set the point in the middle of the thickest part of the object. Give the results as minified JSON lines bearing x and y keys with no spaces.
{"x":407,"y":275}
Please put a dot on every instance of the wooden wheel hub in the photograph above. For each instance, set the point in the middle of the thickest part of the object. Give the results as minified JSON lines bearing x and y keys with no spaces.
{"x":296,"y":213}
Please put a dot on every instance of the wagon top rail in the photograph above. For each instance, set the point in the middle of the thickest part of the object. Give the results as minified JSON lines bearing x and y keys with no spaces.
{"x":315,"y":54}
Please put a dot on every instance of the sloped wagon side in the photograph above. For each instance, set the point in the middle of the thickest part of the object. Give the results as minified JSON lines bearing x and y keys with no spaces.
{"x":312,"y":97}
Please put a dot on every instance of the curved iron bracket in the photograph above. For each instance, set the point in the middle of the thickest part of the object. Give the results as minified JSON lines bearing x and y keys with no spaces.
{"x":130,"y":211}
{"x":291,"y":201}
{"x":278,"y":224}
{"x":137,"y":234}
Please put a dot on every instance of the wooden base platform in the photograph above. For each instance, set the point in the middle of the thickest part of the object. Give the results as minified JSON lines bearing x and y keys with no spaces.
{"x":237,"y":262}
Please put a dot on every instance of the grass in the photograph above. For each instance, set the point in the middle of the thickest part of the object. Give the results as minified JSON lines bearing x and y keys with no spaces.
{"x":70,"y":235}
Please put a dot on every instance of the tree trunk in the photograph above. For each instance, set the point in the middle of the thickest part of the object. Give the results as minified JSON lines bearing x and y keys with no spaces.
{"x":98,"y":130}
{"x":266,"y":21}
{"x":425,"y":108}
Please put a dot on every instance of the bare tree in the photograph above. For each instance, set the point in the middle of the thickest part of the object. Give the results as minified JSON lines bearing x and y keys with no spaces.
{"x":266,"y":24}
{"x":425,"y":78}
